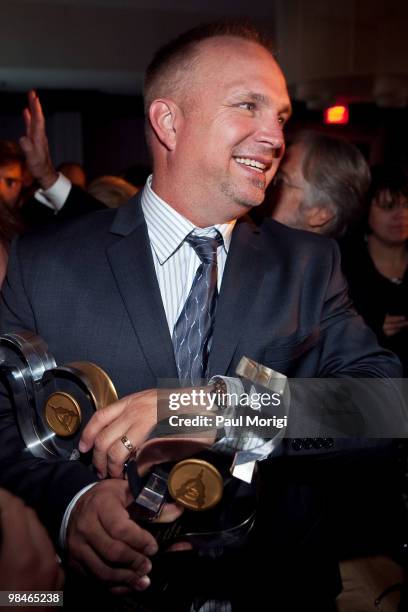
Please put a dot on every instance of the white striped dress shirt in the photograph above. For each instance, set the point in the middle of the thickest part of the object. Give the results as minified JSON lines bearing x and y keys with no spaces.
{"x":175,"y":261}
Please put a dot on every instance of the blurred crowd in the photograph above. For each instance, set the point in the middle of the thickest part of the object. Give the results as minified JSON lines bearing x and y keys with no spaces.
{"x":27,"y":173}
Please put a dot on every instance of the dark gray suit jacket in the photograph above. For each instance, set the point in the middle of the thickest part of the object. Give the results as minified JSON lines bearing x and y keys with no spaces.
{"x":89,"y":289}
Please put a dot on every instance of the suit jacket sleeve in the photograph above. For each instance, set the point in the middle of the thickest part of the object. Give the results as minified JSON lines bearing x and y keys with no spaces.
{"x":33,"y":479}
{"x":79,"y":202}
{"x":347,"y":347}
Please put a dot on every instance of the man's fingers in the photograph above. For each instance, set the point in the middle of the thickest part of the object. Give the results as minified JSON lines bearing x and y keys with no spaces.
{"x":32,"y":95}
{"x":116,"y":552}
{"x":394,"y":324}
{"x":139,"y":409}
{"x":102,"y":418}
{"x":26,"y":145}
{"x":27,"y":121}
{"x":38,"y":120}
{"x":392,"y":328}
{"x":116,"y":459}
{"x":131,"y":418}
{"x":110,"y":452}
{"x":179,"y":546}
{"x":104,"y":540}
{"x":112,"y":575}
{"x":397,"y":326}
{"x":122,"y":528}
{"x":120,"y":590}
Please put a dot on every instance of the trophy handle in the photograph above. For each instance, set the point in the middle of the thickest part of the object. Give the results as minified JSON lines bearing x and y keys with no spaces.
{"x":51,"y":402}
{"x":96,"y":381}
{"x":24,"y":358}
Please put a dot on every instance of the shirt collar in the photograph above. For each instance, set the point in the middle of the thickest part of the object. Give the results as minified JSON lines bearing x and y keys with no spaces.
{"x":168,"y":229}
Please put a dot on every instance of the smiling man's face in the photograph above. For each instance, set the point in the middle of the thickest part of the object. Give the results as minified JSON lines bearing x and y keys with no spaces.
{"x":230,"y":140}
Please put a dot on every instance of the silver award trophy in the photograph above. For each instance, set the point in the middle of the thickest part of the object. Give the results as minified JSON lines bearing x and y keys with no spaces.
{"x":53,"y":403}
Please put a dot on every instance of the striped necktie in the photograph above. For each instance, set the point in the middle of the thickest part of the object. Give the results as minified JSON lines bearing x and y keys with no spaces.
{"x":192,"y":332}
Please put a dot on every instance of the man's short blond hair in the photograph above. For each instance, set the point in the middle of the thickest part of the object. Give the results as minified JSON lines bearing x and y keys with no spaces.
{"x":173,"y":64}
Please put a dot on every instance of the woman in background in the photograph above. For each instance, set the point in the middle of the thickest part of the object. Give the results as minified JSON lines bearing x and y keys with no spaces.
{"x":376,"y":266}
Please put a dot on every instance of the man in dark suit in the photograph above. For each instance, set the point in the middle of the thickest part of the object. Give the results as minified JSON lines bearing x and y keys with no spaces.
{"x":108,"y":288}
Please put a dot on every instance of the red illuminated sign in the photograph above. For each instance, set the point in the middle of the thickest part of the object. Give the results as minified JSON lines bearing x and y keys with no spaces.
{"x":338,"y":114}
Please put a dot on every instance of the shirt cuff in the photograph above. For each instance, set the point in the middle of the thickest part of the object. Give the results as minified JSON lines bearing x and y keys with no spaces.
{"x":67,"y":514}
{"x":55,"y":196}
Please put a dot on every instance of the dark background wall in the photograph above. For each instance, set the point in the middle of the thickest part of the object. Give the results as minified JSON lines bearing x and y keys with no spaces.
{"x":86,"y":59}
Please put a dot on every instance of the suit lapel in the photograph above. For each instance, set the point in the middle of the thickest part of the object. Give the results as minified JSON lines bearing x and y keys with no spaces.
{"x":242,"y":278}
{"x":132,"y":265}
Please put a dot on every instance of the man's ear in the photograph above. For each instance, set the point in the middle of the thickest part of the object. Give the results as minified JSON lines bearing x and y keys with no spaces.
{"x":317,"y":217}
{"x":163,"y":115}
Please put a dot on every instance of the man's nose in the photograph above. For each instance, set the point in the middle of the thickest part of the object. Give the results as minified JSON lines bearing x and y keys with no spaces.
{"x":271,"y":133}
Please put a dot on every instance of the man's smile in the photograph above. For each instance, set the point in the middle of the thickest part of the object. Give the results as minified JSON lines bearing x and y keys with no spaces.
{"x":254,"y":164}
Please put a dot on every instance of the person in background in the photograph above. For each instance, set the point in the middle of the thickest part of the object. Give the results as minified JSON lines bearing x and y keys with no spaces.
{"x":320,"y":186}
{"x":111,"y":190}
{"x":74,"y":172}
{"x":376,"y":263}
{"x":57,"y":194}
{"x":28,"y":561}
{"x":12,"y":164}
{"x":10,"y":225}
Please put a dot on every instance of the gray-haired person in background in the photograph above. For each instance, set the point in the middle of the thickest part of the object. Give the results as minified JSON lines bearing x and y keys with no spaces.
{"x":321,"y":185}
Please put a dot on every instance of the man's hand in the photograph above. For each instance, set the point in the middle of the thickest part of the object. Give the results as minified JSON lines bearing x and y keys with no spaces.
{"x":27,"y":557}
{"x":104,"y":540}
{"x":394,"y":324}
{"x":35,"y":144}
{"x":134,"y":417}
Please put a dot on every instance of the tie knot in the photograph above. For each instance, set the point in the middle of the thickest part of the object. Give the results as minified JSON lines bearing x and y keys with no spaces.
{"x":205,"y":247}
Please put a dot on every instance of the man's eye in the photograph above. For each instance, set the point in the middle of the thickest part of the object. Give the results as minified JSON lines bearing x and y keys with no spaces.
{"x":282,"y":120}
{"x":247,"y":105}
{"x":10,"y":182}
